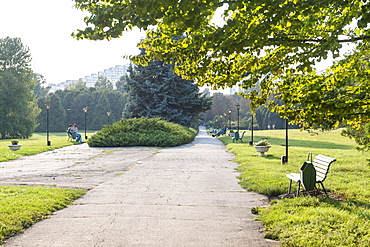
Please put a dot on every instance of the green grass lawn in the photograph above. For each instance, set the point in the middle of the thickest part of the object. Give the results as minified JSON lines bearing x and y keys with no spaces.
{"x":20,"y":207}
{"x":341,"y":220}
{"x":34,"y":145}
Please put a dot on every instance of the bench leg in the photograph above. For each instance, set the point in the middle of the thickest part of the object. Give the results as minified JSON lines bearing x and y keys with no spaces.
{"x":290,"y":186}
{"x":322,"y":185}
{"x":299,"y":187}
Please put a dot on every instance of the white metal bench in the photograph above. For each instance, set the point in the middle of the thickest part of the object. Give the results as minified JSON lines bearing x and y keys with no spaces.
{"x":321,"y":164}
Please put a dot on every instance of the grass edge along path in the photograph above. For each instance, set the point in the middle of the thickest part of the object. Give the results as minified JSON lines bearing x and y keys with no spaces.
{"x":341,"y":220}
{"x":21,"y":207}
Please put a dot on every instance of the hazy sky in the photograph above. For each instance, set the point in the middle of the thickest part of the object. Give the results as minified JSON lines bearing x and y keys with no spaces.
{"x":45,"y":26}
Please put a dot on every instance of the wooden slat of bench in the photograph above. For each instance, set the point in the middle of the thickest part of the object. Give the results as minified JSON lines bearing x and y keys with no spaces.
{"x":321,"y":159}
{"x":320,"y":170}
{"x":322,"y":166}
{"x":294,"y":176}
{"x":320,"y":177}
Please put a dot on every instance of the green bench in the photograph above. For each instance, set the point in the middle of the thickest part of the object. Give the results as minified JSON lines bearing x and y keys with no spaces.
{"x":321,"y":163}
{"x":236,"y":137}
{"x":72,"y":136}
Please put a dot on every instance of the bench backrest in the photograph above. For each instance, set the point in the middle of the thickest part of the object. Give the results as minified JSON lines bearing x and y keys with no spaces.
{"x":322,"y":164}
{"x":242,"y":135}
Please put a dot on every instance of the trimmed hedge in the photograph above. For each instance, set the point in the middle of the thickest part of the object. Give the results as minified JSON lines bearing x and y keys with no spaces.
{"x":152,"y":132}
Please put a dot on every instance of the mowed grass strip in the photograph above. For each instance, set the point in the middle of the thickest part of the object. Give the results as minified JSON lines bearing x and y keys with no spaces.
{"x":341,"y":220}
{"x":20,"y":207}
{"x":34,"y":145}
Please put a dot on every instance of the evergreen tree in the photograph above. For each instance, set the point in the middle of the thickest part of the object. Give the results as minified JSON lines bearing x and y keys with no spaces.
{"x":121,"y":83}
{"x":117,"y":101}
{"x":155,"y":91}
{"x":18,"y":107}
{"x":100,"y":111}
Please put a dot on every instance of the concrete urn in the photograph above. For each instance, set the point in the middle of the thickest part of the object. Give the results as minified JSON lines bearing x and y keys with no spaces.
{"x":262,"y":150}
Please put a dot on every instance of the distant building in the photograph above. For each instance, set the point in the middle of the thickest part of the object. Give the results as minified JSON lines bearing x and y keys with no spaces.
{"x":113,"y":74}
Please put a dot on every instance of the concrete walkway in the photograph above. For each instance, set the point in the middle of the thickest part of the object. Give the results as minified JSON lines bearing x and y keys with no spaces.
{"x":183,"y":196}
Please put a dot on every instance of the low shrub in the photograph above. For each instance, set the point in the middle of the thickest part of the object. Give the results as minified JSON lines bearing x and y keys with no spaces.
{"x":142,"y":132}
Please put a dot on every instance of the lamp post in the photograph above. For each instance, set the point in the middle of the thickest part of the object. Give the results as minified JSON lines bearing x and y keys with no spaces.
{"x":85,"y":111}
{"x":284,"y":158}
{"x":229,"y":119}
{"x":251,"y":142}
{"x":238,"y":108}
{"x":108,"y":114}
{"x":48,"y":143}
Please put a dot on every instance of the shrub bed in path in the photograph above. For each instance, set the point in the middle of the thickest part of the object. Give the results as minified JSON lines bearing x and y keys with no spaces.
{"x":152,"y":132}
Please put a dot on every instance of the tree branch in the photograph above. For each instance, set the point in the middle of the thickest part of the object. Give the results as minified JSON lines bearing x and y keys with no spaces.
{"x":321,"y":40}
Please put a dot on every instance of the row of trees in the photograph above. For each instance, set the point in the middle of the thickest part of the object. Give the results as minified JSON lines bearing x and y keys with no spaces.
{"x":146,"y":91}
{"x":103,"y":107}
{"x":224,"y":112}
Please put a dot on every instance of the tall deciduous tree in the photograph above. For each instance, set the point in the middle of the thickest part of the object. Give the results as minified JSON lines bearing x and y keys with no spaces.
{"x":40,"y":89}
{"x":155,"y":91}
{"x":18,"y":108}
{"x":103,"y":83}
{"x":275,"y":44}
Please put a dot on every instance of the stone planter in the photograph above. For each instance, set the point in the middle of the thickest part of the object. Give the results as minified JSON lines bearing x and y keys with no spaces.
{"x":15,"y":147}
{"x":262,"y":150}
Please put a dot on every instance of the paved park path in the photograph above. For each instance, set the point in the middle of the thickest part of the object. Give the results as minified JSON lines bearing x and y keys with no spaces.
{"x":182,"y":196}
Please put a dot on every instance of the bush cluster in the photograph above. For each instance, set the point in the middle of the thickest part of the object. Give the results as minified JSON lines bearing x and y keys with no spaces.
{"x":152,"y":132}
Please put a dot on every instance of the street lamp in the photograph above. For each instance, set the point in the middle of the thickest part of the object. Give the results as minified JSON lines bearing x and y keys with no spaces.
{"x":229,"y":119}
{"x":251,"y":142}
{"x":85,"y":111}
{"x":284,"y":159}
{"x":238,"y":108}
{"x":48,"y":143}
{"x":108,"y":114}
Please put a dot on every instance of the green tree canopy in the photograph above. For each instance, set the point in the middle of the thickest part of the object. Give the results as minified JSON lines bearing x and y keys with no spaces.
{"x":18,"y":107}
{"x":40,"y":89}
{"x":103,"y":83}
{"x":274,"y":44}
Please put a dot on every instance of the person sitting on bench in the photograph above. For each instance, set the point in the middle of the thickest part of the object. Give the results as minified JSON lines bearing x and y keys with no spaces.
{"x":222,"y":131}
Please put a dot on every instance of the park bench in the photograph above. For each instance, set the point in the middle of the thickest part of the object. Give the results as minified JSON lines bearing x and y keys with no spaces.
{"x":236,"y":137}
{"x":321,"y":164}
{"x":71,"y":136}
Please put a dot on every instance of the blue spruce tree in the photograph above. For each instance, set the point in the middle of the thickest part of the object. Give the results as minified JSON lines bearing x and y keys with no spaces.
{"x":155,"y":91}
